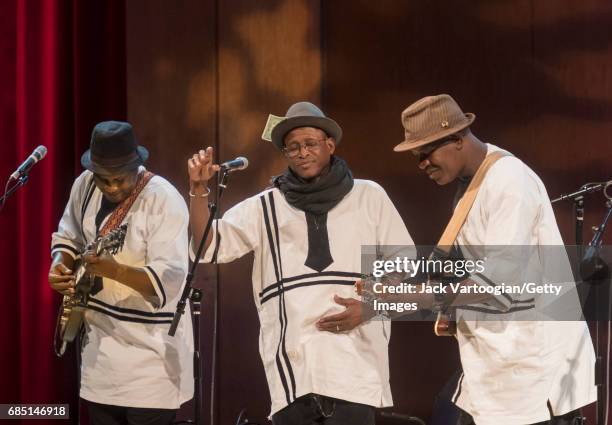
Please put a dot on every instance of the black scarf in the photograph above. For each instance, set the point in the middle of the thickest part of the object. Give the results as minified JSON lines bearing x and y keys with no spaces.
{"x":316,"y":198}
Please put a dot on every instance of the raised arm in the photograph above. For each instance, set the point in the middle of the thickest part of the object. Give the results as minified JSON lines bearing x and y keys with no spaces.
{"x":201,"y":169}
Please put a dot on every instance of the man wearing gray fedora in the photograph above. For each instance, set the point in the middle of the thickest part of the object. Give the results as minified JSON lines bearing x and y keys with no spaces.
{"x":517,"y":370}
{"x":322,"y":362}
{"x":131,"y":370}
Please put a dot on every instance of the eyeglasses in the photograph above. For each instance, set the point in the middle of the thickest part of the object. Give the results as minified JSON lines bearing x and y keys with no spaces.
{"x":310,"y":145}
{"x":431,"y":148}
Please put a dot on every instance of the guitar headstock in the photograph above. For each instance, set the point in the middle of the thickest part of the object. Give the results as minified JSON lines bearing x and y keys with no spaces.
{"x":112,"y":241}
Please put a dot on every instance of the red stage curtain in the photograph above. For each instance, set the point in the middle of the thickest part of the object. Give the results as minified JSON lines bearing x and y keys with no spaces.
{"x":62,"y":69}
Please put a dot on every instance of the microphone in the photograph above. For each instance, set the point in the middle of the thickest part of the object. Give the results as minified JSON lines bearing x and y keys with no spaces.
{"x":237,"y":164}
{"x":38,"y":154}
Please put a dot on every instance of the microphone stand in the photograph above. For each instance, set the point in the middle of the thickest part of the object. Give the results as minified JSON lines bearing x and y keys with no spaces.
{"x":195,"y":295}
{"x":585,"y":189}
{"x":23,"y":179}
{"x":594,"y":270}
{"x":578,"y":198}
{"x":579,"y":218}
{"x":592,"y":267}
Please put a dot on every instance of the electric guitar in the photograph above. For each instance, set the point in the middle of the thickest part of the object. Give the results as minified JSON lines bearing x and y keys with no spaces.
{"x":70,"y":315}
{"x":445,"y":324}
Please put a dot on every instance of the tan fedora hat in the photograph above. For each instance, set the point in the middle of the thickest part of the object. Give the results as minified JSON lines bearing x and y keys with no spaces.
{"x":430,"y":119}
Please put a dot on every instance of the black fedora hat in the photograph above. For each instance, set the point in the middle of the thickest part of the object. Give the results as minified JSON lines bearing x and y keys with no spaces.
{"x":305,"y":114}
{"x":113,"y":149}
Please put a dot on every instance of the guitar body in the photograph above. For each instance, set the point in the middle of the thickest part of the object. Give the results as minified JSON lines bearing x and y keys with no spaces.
{"x":445,"y":323}
{"x":72,"y":310}
{"x":71,"y":319}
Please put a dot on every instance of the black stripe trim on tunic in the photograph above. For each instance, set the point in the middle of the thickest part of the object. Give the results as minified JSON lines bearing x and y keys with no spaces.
{"x":307,"y":283}
{"x":491,"y":283}
{"x":486,"y":310}
{"x":129,"y":310}
{"x":309,"y":275}
{"x":159,"y":285}
{"x":68,"y":247}
{"x":280,"y":267}
{"x":126,"y":318}
{"x":91,"y":187}
{"x":270,"y":238}
{"x":458,"y":390}
{"x":279,"y":365}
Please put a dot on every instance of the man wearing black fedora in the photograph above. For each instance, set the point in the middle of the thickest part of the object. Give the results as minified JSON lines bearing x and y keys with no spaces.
{"x":131,"y":370}
{"x":323,"y":363}
{"x":520,"y":365}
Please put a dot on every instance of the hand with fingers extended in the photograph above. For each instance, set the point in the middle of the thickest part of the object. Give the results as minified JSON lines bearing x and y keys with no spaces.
{"x":201,"y":168}
{"x":355,"y":313}
{"x":61,"y":278}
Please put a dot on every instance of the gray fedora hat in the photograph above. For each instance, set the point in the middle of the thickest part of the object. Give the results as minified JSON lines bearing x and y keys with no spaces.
{"x":305,"y":114}
{"x":113,"y":149}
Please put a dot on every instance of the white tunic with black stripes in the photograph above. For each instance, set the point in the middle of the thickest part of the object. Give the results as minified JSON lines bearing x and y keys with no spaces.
{"x":128,"y":358}
{"x":290,"y":297}
{"x":514,"y":367}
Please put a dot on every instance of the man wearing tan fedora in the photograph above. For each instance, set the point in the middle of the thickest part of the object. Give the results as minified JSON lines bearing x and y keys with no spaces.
{"x":323,"y":364}
{"x":516,"y":370}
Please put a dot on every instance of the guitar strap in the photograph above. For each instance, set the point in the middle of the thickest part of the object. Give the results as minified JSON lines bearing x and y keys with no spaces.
{"x":117,"y":216}
{"x":447,"y":240}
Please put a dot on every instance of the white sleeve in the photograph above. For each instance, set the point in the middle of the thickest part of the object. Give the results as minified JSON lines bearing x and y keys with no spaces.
{"x":238,"y":233}
{"x":512,"y":203}
{"x":69,"y":235}
{"x":166,"y":259}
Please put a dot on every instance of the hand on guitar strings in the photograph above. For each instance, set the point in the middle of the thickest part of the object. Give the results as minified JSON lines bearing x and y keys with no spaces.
{"x":61,"y":278}
{"x":103,"y":265}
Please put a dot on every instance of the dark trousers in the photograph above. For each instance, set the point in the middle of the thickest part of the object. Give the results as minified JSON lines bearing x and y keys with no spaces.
{"x":315,"y":409}
{"x":571,"y":418}
{"x":104,"y":414}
